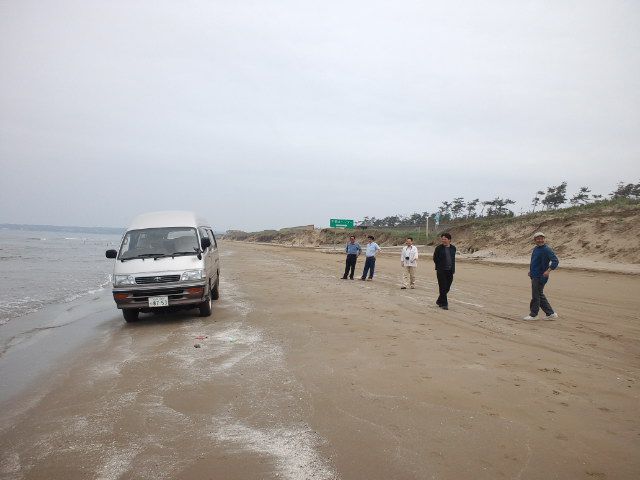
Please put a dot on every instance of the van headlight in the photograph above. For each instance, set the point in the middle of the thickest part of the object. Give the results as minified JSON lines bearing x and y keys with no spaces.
{"x":191,"y":275}
{"x":124,"y":280}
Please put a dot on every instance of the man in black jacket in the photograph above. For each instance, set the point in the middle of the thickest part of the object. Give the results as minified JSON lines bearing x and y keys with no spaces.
{"x":444,"y":256}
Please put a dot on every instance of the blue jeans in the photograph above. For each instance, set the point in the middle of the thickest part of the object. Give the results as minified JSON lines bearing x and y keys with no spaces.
{"x":369,"y":266}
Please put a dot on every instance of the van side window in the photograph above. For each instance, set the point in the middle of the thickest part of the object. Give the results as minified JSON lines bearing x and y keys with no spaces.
{"x":213,"y":240}
{"x":203,"y":233}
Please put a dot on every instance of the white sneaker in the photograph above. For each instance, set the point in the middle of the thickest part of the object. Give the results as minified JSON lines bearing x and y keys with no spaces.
{"x":529,"y":317}
{"x":553,"y":316}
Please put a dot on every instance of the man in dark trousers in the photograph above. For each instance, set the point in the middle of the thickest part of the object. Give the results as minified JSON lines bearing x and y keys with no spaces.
{"x":353,"y":250}
{"x":543,"y":260}
{"x":444,"y":256}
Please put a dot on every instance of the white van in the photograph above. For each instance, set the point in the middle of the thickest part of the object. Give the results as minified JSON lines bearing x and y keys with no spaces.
{"x":166,"y":259}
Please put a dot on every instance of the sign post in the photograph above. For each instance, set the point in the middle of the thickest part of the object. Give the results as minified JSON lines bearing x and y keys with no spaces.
{"x":339,"y":223}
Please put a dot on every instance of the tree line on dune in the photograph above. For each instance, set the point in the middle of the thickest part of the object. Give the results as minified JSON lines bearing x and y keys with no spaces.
{"x":552,"y":199}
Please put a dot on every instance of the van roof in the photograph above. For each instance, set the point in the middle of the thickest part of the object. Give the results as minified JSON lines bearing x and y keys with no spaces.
{"x":170,"y":218}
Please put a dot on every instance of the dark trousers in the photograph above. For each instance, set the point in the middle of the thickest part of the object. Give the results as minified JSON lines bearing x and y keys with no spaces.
{"x":350,"y":265}
{"x":445,"y":279}
{"x":369,"y":266}
{"x":538,"y":300}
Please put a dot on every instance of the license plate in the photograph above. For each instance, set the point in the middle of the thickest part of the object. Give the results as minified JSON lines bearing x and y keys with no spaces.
{"x":158,"y":301}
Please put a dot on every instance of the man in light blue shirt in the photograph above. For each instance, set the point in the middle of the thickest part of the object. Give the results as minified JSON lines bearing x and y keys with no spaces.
{"x":370,"y":262}
{"x":352,"y":250}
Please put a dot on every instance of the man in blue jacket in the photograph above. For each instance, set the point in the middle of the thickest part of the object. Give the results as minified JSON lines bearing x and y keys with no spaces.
{"x":543,"y":260}
{"x":353,"y":251}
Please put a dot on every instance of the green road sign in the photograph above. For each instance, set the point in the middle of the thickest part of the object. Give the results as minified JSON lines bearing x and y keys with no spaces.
{"x":340,"y":223}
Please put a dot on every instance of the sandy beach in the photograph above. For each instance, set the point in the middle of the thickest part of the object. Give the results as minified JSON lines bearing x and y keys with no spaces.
{"x":302,"y":375}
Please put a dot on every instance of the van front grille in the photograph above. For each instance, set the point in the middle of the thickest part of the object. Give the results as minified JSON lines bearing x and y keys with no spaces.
{"x":143,"y":295}
{"x":157,"y":279}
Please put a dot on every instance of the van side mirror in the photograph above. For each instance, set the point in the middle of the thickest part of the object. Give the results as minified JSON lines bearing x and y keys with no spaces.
{"x":205,"y":243}
{"x":111,"y":254}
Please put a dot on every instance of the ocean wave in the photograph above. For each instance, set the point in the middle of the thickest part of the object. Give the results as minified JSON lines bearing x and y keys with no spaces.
{"x":14,"y":308}
{"x":11,"y":309}
{"x":101,"y":287}
{"x":91,"y":291}
{"x":75,"y":296}
{"x":40,"y":270}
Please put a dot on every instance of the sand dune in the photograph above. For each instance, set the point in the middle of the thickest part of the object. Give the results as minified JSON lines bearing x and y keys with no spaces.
{"x":303,"y":375}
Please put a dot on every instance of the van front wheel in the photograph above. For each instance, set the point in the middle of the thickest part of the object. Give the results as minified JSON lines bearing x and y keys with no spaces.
{"x":205,"y":307}
{"x":130,"y":314}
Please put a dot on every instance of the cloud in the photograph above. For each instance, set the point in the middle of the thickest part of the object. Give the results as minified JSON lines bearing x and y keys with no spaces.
{"x":263,"y":114}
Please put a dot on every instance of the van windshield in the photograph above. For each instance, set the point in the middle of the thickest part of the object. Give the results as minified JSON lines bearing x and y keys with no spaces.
{"x":159,"y":242}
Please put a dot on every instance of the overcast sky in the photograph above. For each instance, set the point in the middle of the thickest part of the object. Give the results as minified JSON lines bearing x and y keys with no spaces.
{"x":266,"y":114}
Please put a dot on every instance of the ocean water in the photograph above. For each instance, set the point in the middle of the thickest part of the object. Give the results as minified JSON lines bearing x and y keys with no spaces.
{"x":43,"y":268}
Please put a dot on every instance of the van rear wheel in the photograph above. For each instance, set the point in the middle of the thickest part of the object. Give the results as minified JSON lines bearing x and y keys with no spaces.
{"x":130,"y":314}
{"x":215,"y":292}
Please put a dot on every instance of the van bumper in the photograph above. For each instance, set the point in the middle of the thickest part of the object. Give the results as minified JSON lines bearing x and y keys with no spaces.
{"x":177,"y":295}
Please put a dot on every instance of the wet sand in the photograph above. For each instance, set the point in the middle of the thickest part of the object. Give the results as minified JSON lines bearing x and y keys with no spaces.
{"x":303,"y":375}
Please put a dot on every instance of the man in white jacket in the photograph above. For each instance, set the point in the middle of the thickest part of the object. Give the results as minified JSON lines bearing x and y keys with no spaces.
{"x":409,"y":261}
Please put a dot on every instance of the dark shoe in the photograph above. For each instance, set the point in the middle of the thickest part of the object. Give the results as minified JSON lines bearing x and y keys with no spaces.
{"x":344,"y":278}
{"x":350,"y":278}
{"x":403,"y":288}
{"x":444,"y":307}
{"x":362,"y":278}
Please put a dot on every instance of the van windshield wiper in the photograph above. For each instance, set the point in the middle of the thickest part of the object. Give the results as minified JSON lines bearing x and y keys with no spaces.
{"x":177,"y":254}
{"x":145,"y":255}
